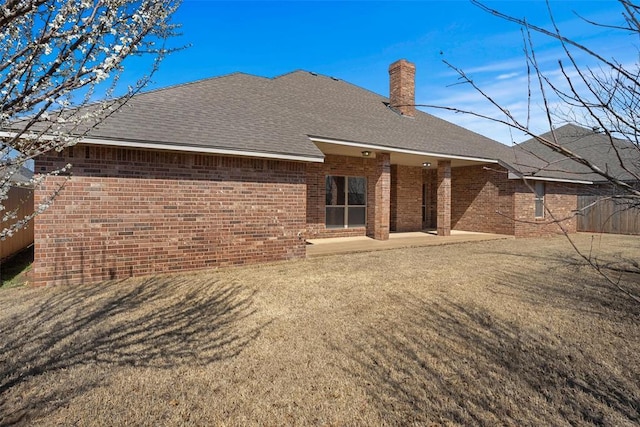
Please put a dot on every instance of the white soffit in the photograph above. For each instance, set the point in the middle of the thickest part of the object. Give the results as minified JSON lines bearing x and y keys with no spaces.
{"x":398,"y":155}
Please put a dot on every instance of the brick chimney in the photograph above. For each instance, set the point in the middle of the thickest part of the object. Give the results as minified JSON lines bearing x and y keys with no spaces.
{"x":402,"y":75}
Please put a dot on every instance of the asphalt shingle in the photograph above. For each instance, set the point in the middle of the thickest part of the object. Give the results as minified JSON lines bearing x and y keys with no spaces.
{"x":612,"y":156}
{"x":255,"y":114}
{"x":276,"y":116}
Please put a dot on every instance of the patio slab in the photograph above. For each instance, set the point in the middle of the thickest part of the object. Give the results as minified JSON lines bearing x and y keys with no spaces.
{"x":342,"y":245}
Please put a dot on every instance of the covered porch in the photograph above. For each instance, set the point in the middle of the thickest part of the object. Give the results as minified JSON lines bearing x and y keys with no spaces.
{"x":343,"y":245}
{"x":366,"y":190}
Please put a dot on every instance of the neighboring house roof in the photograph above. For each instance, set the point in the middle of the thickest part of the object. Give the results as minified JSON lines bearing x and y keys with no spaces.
{"x":260,"y":115}
{"x":23,"y":175}
{"x":612,"y":156}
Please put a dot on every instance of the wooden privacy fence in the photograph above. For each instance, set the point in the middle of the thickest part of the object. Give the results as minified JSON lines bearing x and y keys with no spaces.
{"x":22,"y":199}
{"x":607,"y":215}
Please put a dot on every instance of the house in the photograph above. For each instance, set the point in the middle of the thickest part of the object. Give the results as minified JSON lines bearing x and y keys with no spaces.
{"x":602,"y":206}
{"x":242,"y":169}
{"x":618,"y":158}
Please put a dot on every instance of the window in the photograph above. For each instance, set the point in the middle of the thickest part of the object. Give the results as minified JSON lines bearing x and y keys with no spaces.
{"x":346,"y":201}
{"x":539,"y":199}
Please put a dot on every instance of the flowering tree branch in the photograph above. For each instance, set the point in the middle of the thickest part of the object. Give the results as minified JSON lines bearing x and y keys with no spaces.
{"x":60,"y":65}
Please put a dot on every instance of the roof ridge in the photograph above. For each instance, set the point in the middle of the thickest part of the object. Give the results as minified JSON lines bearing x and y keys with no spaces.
{"x":584,"y":132}
{"x":336,"y":79}
{"x":299,"y":70}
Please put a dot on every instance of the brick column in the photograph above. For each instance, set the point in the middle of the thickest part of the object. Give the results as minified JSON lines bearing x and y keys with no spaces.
{"x":382,"y":198}
{"x":444,"y":198}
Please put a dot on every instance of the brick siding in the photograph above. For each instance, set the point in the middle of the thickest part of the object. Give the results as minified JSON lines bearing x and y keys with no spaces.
{"x":485,"y":200}
{"x":561,"y":199}
{"x":482,"y":199}
{"x":378,"y":228}
{"x":337,"y":166}
{"x":402,"y":87}
{"x":406,"y":198}
{"x":375,"y":170}
{"x":136,"y":212}
{"x":445,"y":197}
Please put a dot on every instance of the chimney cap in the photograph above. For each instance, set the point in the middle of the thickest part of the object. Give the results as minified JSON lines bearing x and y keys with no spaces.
{"x":401,"y":62}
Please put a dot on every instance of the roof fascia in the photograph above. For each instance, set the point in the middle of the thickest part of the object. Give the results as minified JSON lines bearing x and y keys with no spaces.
{"x":185,"y":148}
{"x":388,"y":149}
{"x":513,"y":175}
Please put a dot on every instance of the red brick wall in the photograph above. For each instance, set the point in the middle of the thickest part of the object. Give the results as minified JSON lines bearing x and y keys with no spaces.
{"x":561,"y":199}
{"x":444,"y":198}
{"x":402,"y":87}
{"x":406,"y":198}
{"x":482,"y":199}
{"x":339,"y":166}
{"x":485,"y":200}
{"x":380,"y":209}
{"x":134,"y":212}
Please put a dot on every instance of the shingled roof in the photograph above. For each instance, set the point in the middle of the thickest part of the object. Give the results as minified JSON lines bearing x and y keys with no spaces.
{"x":21,"y":176}
{"x":612,"y":156}
{"x":281,"y":117}
{"x":277,"y":116}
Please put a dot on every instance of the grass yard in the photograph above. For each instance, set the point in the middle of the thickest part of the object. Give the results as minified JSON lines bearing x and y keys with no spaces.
{"x":505,"y":332}
{"x":15,"y":271}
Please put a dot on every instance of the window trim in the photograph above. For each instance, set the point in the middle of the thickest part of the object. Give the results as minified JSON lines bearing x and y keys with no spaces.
{"x":346,"y":204}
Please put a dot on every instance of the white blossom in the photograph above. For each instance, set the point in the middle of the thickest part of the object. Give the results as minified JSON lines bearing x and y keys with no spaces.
{"x":45,"y":85}
{"x":100,"y":75}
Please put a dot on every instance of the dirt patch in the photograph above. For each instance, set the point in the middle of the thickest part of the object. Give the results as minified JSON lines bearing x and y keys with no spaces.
{"x":513,"y":332}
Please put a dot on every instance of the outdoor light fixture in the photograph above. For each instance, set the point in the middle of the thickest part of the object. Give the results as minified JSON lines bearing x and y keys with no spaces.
{"x":366,"y":153}
{"x":426,"y":164}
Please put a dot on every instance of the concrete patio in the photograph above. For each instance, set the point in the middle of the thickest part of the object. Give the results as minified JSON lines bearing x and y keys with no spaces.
{"x":342,"y":245}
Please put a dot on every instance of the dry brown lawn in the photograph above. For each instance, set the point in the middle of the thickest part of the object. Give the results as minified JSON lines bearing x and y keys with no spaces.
{"x":510,"y":332}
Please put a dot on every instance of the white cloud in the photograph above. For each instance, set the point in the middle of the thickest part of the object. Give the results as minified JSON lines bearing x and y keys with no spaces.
{"x":507,"y":76}
{"x":507,"y":91}
{"x":507,"y":82}
{"x":498,"y":67}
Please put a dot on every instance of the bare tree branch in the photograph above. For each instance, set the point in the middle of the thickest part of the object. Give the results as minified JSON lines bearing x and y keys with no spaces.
{"x":603,"y":96}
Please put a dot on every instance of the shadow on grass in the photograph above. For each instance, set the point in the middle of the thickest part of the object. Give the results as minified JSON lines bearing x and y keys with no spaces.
{"x":443,"y":361}
{"x":565,"y":280}
{"x":13,"y":269}
{"x":160,"y":322}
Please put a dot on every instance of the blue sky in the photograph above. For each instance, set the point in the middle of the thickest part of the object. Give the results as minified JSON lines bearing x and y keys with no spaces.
{"x":357,"y":40}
